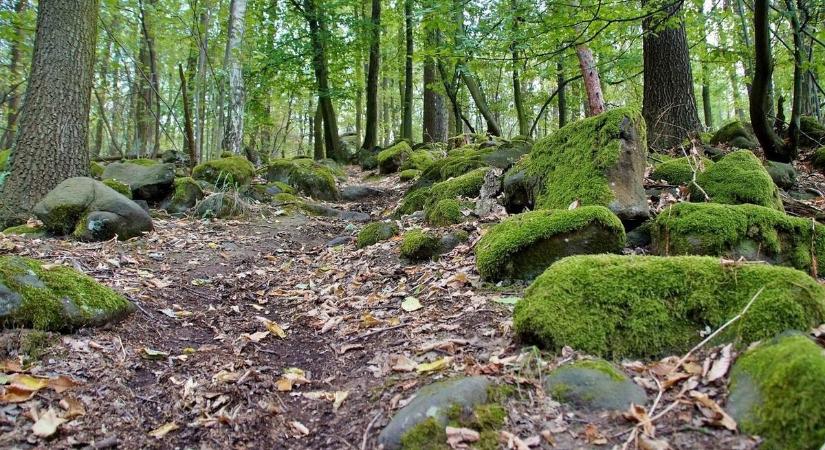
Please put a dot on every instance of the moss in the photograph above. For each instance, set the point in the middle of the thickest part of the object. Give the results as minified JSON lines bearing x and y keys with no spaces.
{"x":522,"y":246}
{"x":418,"y":159}
{"x":414,"y":201}
{"x":96,"y":169}
{"x":393,"y":157}
{"x":44,"y":306}
{"x":499,"y":393}
{"x":284,"y":187}
{"x":234,"y":171}
{"x":735,"y":134}
{"x":601,"y":366}
{"x":143,"y":162}
{"x":409,"y":174}
{"x":285,"y":197}
{"x":305,"y":176}
{"x":227,"y":154}
{"x":679,"y":171}
{"x":419,"y":245}
{"x":122,"y":188}
{"x":467,"y":185}
{"x":35,"y":343}
{"x":375,"y":233}
{"x":818,"y":158}
{"x":738,"y":178}
{"x":487,"y":419}
{"x":4,"y":160}
{"x":25,"y":230}
{"x":811,"y":132}
{"x":786,"y":382}
{"x":733,"y":231}
{"x":444,"y":213}
{"x":649,"y":306}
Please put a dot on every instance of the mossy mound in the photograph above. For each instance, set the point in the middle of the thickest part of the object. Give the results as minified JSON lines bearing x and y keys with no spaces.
{"x":25,"y":230}
{"x":487,"y":419}
{"x":523,"y":246}
{"x":782,"y":174}
{"x":446,"y":168}
{"x":735,"y":134}
{"x":150,"y":182}
{"x":54,"y":298}
{"x":734,"y":231}
{"x":776,"y":392}
{"x":375,"y":233}
{"x":4,"y":160}
{"x":185,"y":196}
{"x":418,"y":159}
{"x":122,"y":188}
{"x":306,"y":176}
{"x":145,"y":162}
{"x":444,"y":213}
{"x":392,"y":158}
{"x":95,"y":168}
{"x":594,"y":385}
{"x":409,"y":174}
{"x":738,"y":178}
{"x":597,"y":161}
{"x":811,"y":132}
{"x":679,"y":171}
{"x":651,"y":306}
{"x":221,"y":205}
{"x":467,"y":185}
{"x":419,"y":245}
{"x":228,"y":172}
{"x":818,"y":158}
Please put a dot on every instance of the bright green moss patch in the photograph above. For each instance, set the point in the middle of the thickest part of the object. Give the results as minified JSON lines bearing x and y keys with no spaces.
{"x":306,"y":176}
{"x":56,"y":298}
{"x":96,"y":169}
{"x":444,"y":213}
{"x":418,"y":159}
{"x":738,"y":178}
{"x":487,"y":419}
{"x":393,"y":157}
{"x":679,"y":171}
{"x":409,"y":174}
{"x":4,"y":160}
{"x":777,"y":390}
{"x":649,"y":306}
{"x":467,"y":185}
{"x":524,"y":245}
{"x":419,"y":245}
{"x":375,"y":233}
{"x":414,"y":201}
{"x":229,"y":172}
{"x":120,"y":187}
{"x":25,"y":230}
{"x":735,"y":134}
{"x":734,"y":231}
{"x":818,"y":158}
{"x":143,"y":162}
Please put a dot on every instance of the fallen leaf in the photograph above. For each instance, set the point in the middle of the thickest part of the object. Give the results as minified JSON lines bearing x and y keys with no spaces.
{"x":300,"y":428}
{"x":647,"y":443}
{"x":593,"y":435}
{"x":73,"y":406}
{"x":273,"y":327}
{"x":340,"y":396}
{"x":290,"y":378}
{"x":28,"y":382}
{"x":458,"y":437}
{"x":721,"y":365}
{"x":256,"y":337}
{"x":47,"y":424}
{"x":163,"y":430}
{"x":12,"y":394}
{"x":513,"y":441}
{"x":438,"y":364}
{"x":712,"y":411}
{"x":411,"y":304}
{"x":403,"y":364}
{"x":62,"y":383}
{"x":148,"y":353}
{"x":639,"y":415}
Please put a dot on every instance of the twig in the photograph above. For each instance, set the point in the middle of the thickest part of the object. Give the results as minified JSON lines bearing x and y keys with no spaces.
{"x":374,"y":332}
{"x":367,"y":431}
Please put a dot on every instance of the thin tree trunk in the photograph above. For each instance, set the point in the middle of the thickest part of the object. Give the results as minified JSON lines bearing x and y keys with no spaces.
{"x":562,"y":87}
{"x":152,"y":91}
{"x":592,"y":83}
{"x":792,"y":144}
{"x":408,"y":71}
{"x":13,"y":104}
{"x":371,"y":132}
{"x":187,"y":121}
{"x":317,"y":31}
{"x":318,"y":133}
{"x":481,"y":102}
{"x":760,"y":95}
{"x":97,"y":148}
{"x":200,"y":83}
{"x":233,"y":140}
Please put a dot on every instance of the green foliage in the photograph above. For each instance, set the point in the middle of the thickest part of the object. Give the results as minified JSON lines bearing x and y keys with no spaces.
{"x":230,"y":172}
{"x":738,"y":178}
{"x":4,"y":160}
{"x":409,"y":174}
{"x":376,"y":232}
{"x":649,"y":306}
{"x":122,"y":188}
{"x":419,"y":245}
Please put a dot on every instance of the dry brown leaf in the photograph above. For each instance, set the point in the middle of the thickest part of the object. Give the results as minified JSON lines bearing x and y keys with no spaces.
{"x":73,"y":406}
{"x":401,"y":363}
{"x":674,"y":378}
{"x":712,"y":411}
{"x":639,"y":415}
{"x":163,"y":430}
{"x":13,"y":394}
{"x":647,"y":443}
{"x":47,"y":423}
{"x":457,"y":438}
{"x":62,"y":383}
{"x":593,"y":435}
{"x":720,"y":366}
{"x":513,"y":441}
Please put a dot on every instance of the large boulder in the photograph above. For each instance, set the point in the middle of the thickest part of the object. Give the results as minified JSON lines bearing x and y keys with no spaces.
{"x":184,"y":197}
{"x":594,"y":385}
{"x":230,"y":172}
{"x":54,"y":298}
{"x":419,"y":245}
{"x":735,"y":134}
{"x":523,"y":246}
{"x":752,"y":232}
{"x":305,"y":175}
{"x":350,"y":143}
{"x":467,"y":185}
{"x":783,"y":174}
{"x":737,"y":178}
{"x":150,"y":182}
{"x":597,"y":161}
{"x":393,"y":157}
{"x":91,"y":211}
{"x":776,"y":392}
{"x":650,"y":306}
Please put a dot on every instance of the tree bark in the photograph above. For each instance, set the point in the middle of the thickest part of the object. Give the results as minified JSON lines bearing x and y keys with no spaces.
{"x":561,"y":84}
{"x":592,"y":82}
{"x":52,"y":141}
{"x":792,"y":144}
{"x":371,"y":131}
{"x":408,"y":71}
{"x":200,"y":83}
{"x":187,"y":121}
{"x":477,"y":94}
{"x":318,"y":134}
{"x":152,"y":90}
{"x":14,"y":73}
{"x":760,"y":93}
{"x":318,"y":32}
{"x":521,"y":114}
{"x":233,"y":140}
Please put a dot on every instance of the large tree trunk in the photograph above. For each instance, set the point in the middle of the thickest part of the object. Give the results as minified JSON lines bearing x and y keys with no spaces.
{"x":792,"y":145}
{"x":317,"y":30}
{"x":14,"y":73}
{"x":200,"y":84}
{"x":233,"y":140}
{"x":371,"y":132}
{"x":521,"y":114}
{"x":760,"y":93}
{"x":435,"y":113}
{"x":669,"y":106}
{"x":592,"y":83}
{"x":50,"y":146}
{"x":561,"y":84}
{"x":318,"y":134}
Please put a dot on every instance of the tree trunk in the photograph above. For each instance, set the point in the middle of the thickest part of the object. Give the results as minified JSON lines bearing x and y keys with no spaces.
{"x":561,"y":84}
{"x":792,"y":144}
{"x":371,"y":131}
{"x":51,"y":147}
{"x":14,"y":73}
{"x":318,"y":134}
{"x":187,"y":121}
{"x":592,"y":82}
{"x":481,"y":102}
{"x":435,"y":113}
{"x":408,"y":72}
{"x":152,"y":90}
{"x":317,"y":31}
{"x":233,"y":140}
{"x":668,"y":107}
{"x":760,"y":94}
{"x":521,"y":114}
{"x":200,"y":83}
{"x":707,"y":107}
{"x":97,"y":148}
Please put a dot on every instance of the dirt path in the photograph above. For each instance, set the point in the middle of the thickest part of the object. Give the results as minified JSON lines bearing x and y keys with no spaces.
{"x":203,"y":291}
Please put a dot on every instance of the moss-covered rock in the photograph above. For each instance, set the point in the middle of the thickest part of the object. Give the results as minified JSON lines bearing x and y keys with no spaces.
{"x":679,"y":171}
{"x":96,"y":169}
{"x":54,"y":298}
{"x":523,"y":246}
{"x":409,"y":174}
{"x":186,"y":194}
{"x":221,"y":205}
{"x":597,"y":161}
{"x":444,"y":213}
{"x":467,"y":185}
{"x":811,"y":132}
{"x":375,"y":233}
{"x":818,"y":158}
{"x":752,"y":232}
{"x":782,"y":174}
{"x":738,"y":178}
{"x":594,"y":385}
{"x":419,"y":245}
{"x":25,"y":230}
{"x":735,"y":134}
{"x":121,"y":188}
{"x":150,"y":182}
{"x":230,"y":172}
{"x":418,"y":159}
{"x":4,"y":160}
{"x":145,"y":162}
{"x":392,"y":158}
{"x":650,"y":306}
{"x":776,"y":392}
{"x":306,"y":176}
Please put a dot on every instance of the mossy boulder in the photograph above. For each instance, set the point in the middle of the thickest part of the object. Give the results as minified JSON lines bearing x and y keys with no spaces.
{"x":4,"y":160}
{"x":738,"y":178}
{"x":752,"y":232}
{"x":25,"y":230}
{"x":735,"y":134}
{"x":186,"y":194}
{"x":433,"y":407}
{"x":221,"y":205}
{"x":409,"y":174}
{"x":150,"y":180}
{"x":776,"y":392}
{"x":811,"y":132}
{"x":145,"y":162}
{"x":782,"y":174}
{"x":466,"y":185}
{"x":818,"y":158}
{"x":418,"y":160}
{"x":679,"y":171}
{"x":96,"y":169}
{"x":121,"y":188}
{"x":419,"y":245}
{"x":650,"y":306}
{"x":597,"y":161}
{"x":594,"y":385}
{"x":306,"y":176}
{"x":91,"y":211}
{"x":375,"y":233}
{"x":230,"y":172}
{"x":445,"y":212}
{"x":392,"y":158}
{"x":54,"y":298}
{"x":524,"y":245}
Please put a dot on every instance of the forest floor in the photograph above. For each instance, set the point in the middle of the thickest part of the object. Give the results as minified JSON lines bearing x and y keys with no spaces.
{"x":196,"y":365}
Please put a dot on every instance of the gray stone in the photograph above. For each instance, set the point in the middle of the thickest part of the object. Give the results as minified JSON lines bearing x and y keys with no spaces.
{"x":327,"y":211}
{"x":185,"y":196}
{"x":434,"y":401}
{"x":355,"y":193}
{"x":91,"y":211}
{"x":151,"y":183}
{"x":784,"y":175}
{"x":594,"y":385}
{"x":339,"y":240}
{"x":221,"y":205}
